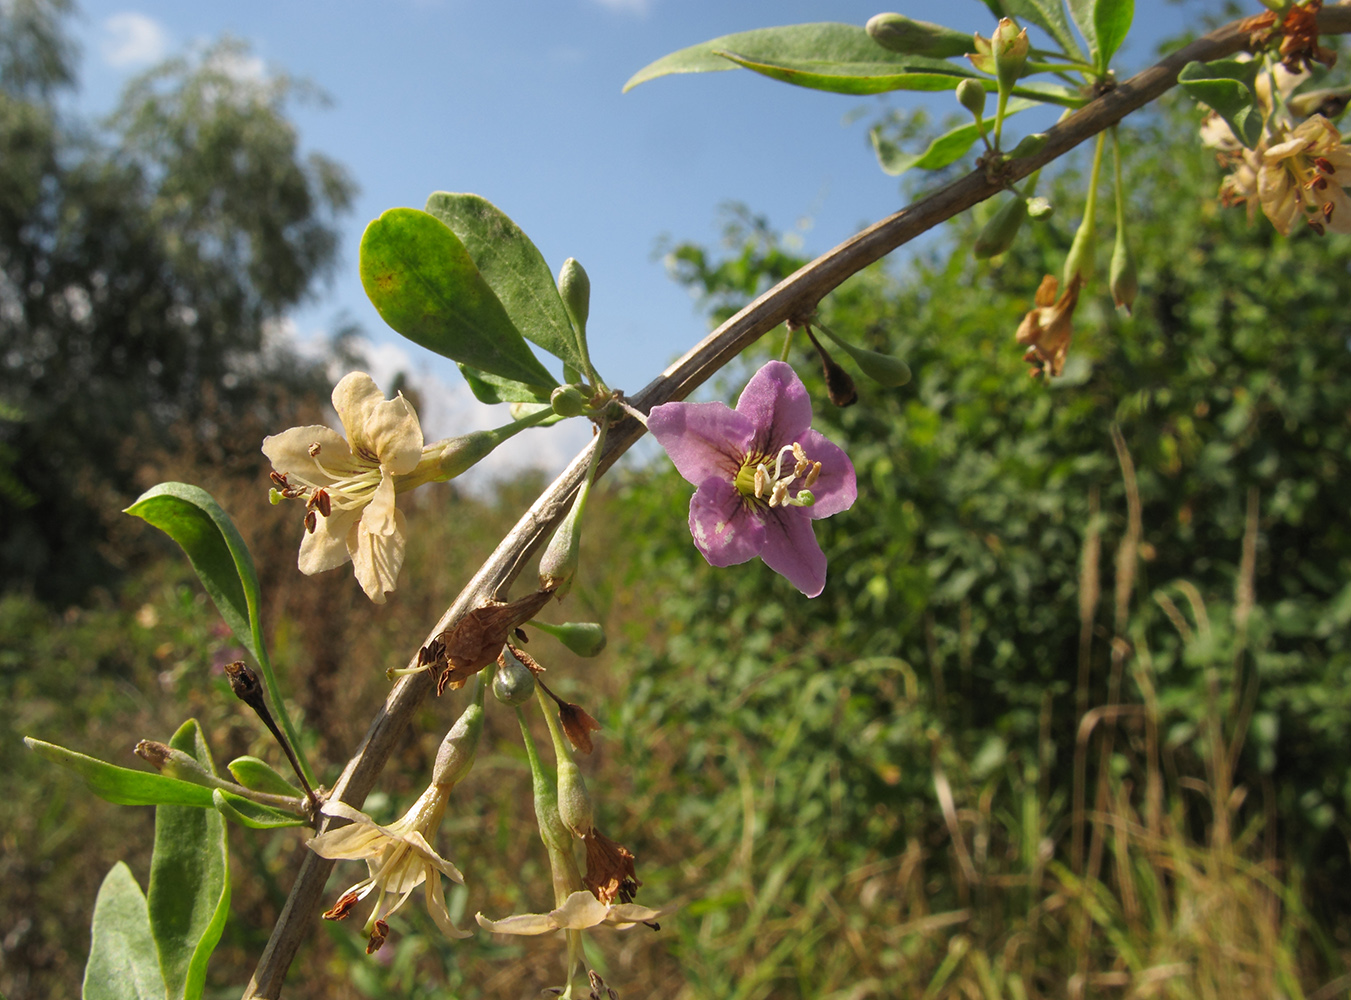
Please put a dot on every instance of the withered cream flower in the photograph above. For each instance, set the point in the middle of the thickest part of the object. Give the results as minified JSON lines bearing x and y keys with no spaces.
{"x":1046,"y":330}
{"x":1302,"y":177}
{"x":578,"y":912}
{"x":399,"y":858}
{"x":349,"y":484}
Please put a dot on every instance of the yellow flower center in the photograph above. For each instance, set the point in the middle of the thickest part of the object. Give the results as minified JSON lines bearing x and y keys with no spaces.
{"x":759,"y":485}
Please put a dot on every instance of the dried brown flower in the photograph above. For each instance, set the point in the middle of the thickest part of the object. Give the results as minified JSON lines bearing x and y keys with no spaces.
{"x":475,"y":641}
{"x":609,"y":869}
{"x":1298,"y":33}
{"x":1045,"y":331}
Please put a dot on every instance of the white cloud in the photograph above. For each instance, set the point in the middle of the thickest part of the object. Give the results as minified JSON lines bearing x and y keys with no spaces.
{"x":639,"y":7}
{"x":132,"y":40}
{"x":240,"y":66}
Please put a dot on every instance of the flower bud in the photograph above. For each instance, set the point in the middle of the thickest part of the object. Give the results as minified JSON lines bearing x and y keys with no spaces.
{"x":1122,"y":279}
{"x":1009,"y":47}
{"x":459,"y":454}
{"x":917,"y":38}
{"x":575,"y":288}
{"x":881,"y":368}
{"x":260,"y":776}
{"x":971,"y":95}
{"x":999,"y":233}
{"x":559,"y":563}
{"x":456,"y":755}
{"x":175,"y":763}
{"x":1039,"y":207}
{"x":574,"y":803}
{"x":583,"y":638}
{"x":1080,"y":258}
{"x":1028,"y":145}
{"x":568,"y":401}
{"x":513,"y":682}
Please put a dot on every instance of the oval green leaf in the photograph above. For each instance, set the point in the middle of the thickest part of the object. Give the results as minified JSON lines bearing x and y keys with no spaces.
{"x":192,"y":518}
{"x":491,"y":389}
{"x":189,"y":895}
{"x":823,"y":52}
{"x":948,"y":148}
{"x":261,"y":776}
{"x":421,"y":279}
{"x":1112,"y":21}
{"x":514,"y":269}
{"x":1226,"y":85}
{"x":124,"y":786}
{"x":123,"y":963}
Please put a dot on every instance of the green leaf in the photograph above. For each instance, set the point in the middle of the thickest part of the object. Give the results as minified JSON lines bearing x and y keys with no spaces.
{"x":492,"y":389}
{"x":192,"y":518}
{"x":253,"y":815}
{"x":948,"y":148}
{"x":421,"y":279}
{"x":513,"y":268}
{"x":122,"y":785}
{"x":189,"y":895}
{"x":825,"y":56}
{"x":261,"y":776}
{"x":1049,"y":15}
{"x":1112,"y":22}
{"x":1082,"y":13}
{"x":123,"y":964}
{"x":1226,"y":85}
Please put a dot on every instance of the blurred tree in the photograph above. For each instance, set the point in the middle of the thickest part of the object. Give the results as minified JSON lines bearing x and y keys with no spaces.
{"x":143,"y":265}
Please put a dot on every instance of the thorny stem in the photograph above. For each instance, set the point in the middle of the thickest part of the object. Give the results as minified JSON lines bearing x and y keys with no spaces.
{"x":797,"y":293}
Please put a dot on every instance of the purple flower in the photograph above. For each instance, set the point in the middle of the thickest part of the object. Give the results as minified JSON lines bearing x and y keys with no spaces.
{"x":763,"y":475}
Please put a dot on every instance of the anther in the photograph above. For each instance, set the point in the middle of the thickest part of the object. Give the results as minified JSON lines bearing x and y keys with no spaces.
{"x":343,"y":907}
{"x":802,"y":462}
{"x":314,"y":449}
{"x":760,"y":480}
{"x":1319,"y":184}
{"x":1327,"y":211}
{"x":1323,"y":164}
{"x":780,"y":493}
{"x":279,"y":479}
{"x":311,"y":521}
{"x":320,"y":501}
{"x":813,"y":475}
{"x":1317,"y":227}
{"x":377,"y":937}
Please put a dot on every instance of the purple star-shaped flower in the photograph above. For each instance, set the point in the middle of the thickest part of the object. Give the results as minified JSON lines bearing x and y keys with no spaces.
{"x":763,"y":475}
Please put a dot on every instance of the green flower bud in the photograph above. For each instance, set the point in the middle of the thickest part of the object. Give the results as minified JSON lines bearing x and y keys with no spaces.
{"x":575,"y":288}
{"x":558,"y":565}
{"x":583,"y":638}
{"x":999,"y":233}
{"x":1028,"y":145}
{"x":881,"y":368}
{"x":574,"y":803}
{"x":1009,"y":46}
{"x":459,"y":454}
{"x":917,"y":38}
{"x":1080,"y":258}
{"x":971,"y":95}
{"x":1122,"y":279}
{"x":513,"y":682}
{"x":456,"y":755}
{"x":568,"y":401}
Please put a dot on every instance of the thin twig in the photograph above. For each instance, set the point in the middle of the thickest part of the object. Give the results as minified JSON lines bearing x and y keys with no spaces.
{"x":800,"y":291}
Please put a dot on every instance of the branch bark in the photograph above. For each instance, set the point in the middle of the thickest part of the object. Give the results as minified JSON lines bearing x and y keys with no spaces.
{"x":795,"y":295}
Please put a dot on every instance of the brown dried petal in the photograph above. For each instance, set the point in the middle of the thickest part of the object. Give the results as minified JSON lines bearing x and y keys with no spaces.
{"x":609,"y":869}
{"x":1046,"y":329}
{"x":577,"y":725}
{"x":476,"y":640}
{"x":153,"y":753}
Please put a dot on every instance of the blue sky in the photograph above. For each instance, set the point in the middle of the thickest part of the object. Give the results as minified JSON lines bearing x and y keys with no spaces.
{"x":519,"y":101}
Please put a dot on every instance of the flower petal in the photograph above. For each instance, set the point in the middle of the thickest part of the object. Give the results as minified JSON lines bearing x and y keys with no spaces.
{"x":724,"y":530}
{"x":623,"y":915}
{"x":703,"y":439}
{"x":778,"y":406}
{"x":289,"y":453}
{"x":325,"y":547}
{"x":836,"y":488}
{"x":376,"y":545}
{"x":580,"y":911}
{"x":383,"y":430}
{"x":792,"y":551}
{"x":429,"y":856}
{"x":519,"y":923}
{"x":436,"y":906}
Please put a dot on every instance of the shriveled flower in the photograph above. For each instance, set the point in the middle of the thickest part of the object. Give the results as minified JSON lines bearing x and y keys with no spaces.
{"x":1045,"y":331}
{"x":349,"y":484}
{"x":399,"y":858}
{"x":579,"y":911}
{"x":1298,"y":32}
{"x":1302,"y":177}
{"x":610,"y":869}
{"x":745,"y":462}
